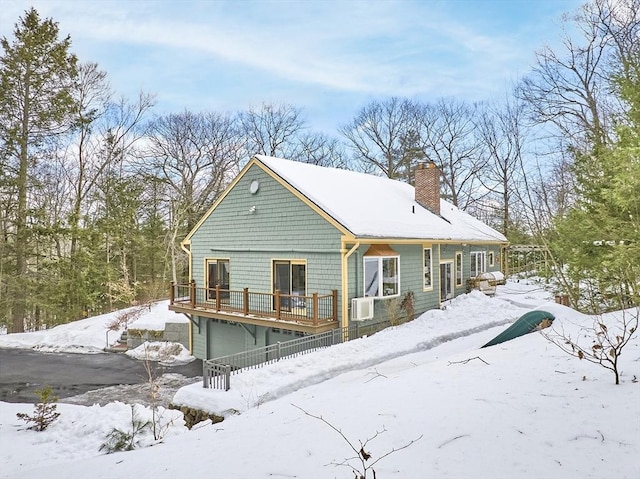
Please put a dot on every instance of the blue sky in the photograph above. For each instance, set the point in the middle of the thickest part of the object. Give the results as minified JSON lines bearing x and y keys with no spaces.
{"x":328,"y":58}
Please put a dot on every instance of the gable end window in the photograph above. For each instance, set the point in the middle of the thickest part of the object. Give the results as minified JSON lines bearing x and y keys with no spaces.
{"x":427,"y":264}
{"x":381,"y":276}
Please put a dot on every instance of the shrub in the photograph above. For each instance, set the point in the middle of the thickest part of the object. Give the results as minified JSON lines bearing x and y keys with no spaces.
{"x":119,"y":440}
{"x":45,"y":411}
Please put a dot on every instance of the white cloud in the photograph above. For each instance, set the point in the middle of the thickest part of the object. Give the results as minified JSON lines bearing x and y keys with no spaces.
{"x":210,"y":53}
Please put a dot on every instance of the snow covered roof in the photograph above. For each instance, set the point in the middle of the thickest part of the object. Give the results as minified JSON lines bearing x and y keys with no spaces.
{"x":375,"y":207}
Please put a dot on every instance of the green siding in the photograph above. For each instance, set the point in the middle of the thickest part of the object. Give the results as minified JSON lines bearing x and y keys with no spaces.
{"x":199,"y":340}
{"x":411,"y":273}
{"x":282,"y":227}
{"x":252,"y":230}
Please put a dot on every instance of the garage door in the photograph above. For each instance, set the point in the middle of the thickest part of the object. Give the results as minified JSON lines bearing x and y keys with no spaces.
{"x":225,"y":339}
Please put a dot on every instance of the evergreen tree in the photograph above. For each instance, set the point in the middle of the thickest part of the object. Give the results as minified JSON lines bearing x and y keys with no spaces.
{"x":600,"y":238}
{"x":36,"y":72}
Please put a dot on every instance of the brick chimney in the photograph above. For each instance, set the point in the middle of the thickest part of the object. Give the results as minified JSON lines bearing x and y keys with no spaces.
{"x":427,"y":186}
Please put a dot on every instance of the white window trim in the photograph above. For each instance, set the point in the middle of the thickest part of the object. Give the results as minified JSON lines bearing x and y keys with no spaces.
{"x":380,"y":276}
{"x":430,"y":287}
{"x":459,"y":272}
{"x":453,"y":279}
{"x":483,"y":262}
{"x":491,"y":258}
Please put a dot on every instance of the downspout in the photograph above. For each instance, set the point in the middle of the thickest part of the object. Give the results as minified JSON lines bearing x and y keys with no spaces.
{"x":184,"y":248}
{"x":345,"y":279}
{"x":439,"y":293}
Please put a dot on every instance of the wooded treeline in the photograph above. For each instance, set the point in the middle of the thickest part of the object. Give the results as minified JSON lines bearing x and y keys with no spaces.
{"x":96,"y":191}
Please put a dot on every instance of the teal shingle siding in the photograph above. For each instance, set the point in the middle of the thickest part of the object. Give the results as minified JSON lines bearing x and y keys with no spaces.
{"x":282,"y":227}
{"x":252,"y":230}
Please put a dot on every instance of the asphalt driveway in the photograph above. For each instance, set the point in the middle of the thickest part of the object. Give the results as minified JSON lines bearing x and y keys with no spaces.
{"x":69,"y":375}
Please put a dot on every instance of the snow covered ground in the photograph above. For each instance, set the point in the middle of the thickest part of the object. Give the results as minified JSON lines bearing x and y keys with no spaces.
{"x":521,"y":409}
{"x":92,"y":335}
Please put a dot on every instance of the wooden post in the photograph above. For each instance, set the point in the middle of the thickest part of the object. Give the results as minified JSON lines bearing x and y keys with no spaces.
{"x":245,"y":301}
{"x":315,"y":309}
{"x":172,"y":293}
{"x":278,"y":312}
{"x":335,"y":304}
{"x":192,"y":293}
{"x":217,"y":297}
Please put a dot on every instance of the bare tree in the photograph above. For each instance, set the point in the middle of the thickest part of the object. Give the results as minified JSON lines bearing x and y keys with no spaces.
{"x":572,"y":88}
{"x":384,"y":137}
{"x":82,"y":162}
{"x":452,"y":142}
{"x":195,"y":155}
{"x":271,"y":130}
{"x":568,"y":90}
{"x":320,"y":149}
{"x":502,"y":131}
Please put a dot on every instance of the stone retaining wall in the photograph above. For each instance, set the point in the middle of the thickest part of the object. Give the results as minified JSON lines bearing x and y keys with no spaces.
{"x":174,"y":332}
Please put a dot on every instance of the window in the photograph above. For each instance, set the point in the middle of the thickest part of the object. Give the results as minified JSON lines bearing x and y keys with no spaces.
{"x":478,"y":263}
{"x":427,"y":268}
{"x":490,"y":255}
{"x":446,"y":281}
{"x":381,"y":276}
{"x":459,"y":272}
{"x":290,"y":278}
{"x":217,"y":274}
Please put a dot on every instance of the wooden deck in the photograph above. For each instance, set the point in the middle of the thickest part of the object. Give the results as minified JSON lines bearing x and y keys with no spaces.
{"x":309,"y":314}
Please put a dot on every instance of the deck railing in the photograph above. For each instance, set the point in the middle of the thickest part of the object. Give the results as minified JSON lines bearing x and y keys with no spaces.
{"x":217,"y":372}
{"x":312,"y":310}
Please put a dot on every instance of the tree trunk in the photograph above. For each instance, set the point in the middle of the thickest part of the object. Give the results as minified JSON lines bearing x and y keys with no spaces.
{"x":20,"y":293}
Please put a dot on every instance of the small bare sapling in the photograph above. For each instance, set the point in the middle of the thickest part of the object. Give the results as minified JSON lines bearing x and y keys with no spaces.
{"x":359,"y":462}
{"x":601,"y":344}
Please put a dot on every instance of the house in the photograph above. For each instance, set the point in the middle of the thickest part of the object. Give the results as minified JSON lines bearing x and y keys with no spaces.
{"x":291,"y":249}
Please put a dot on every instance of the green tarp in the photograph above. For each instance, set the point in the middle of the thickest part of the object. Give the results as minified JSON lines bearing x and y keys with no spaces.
{"x":525,"y":324}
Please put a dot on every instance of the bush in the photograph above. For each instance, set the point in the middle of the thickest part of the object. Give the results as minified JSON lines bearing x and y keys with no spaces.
{"x":119,"y":440}
{"x":45,"y":411}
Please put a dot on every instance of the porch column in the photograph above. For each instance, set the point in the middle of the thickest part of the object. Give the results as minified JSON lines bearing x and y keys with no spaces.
{"x":335,"y":304}
{"x":192,"y":293}
{"x":315,"y":309}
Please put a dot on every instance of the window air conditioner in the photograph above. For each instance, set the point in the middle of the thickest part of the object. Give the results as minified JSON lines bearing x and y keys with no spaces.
{"x":361,"y":309}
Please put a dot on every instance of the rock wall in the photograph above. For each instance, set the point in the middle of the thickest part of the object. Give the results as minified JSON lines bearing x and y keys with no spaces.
{"x":173,"y":332}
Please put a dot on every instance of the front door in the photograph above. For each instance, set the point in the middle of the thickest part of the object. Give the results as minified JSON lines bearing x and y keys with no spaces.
{"x":446,"y":281}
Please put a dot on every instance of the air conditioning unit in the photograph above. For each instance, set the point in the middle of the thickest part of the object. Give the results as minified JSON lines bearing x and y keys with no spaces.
{"x":361,"y":309}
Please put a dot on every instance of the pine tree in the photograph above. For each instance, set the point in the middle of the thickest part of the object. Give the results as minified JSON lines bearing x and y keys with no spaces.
{"x":600,"y":238}
{"x":36,"y":72}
